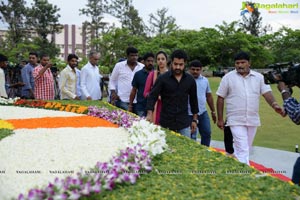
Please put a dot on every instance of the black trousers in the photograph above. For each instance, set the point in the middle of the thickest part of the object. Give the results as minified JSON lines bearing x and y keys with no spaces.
{"x":228,"y":140}
{"x":296,"y":172}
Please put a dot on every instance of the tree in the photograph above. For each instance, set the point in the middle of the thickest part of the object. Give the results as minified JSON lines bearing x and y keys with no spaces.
{"x":161,"y":23}
{"x":13,"y":12}
{"x":43,"y":19}
{"x":96,"y":10}
{"x":128,"y":16}
{"x":285,"y":45}
{"x":253,"y":22}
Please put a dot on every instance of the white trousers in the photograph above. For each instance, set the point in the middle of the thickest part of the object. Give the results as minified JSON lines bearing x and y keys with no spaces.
{"x":243,"y":137}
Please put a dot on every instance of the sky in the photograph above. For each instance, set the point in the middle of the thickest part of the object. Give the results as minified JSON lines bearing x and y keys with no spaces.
{"x":191,"y":14}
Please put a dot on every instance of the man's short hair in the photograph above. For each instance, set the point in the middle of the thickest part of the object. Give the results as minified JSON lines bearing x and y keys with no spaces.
{"x":147,"y":55}
{"x":242,"y":56}
{"x":180,"y":54}
{"x":3,"y":58}
{"x":130,"y":50}
{"x":34,"y":54}
{"x":195,"y":63}
{"x":71,"y":56}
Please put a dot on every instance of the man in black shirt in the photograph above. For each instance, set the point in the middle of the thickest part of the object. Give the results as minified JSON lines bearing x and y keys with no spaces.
{"x":176,"y":88}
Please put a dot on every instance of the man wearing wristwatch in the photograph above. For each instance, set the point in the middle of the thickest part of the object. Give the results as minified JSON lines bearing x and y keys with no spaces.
{"x":292,"y":109}
{"x":204,"y":96}
{"x":177,"y":89}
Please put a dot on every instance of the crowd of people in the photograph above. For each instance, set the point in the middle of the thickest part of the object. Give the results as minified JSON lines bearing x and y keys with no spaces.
{"x":168,"y":95}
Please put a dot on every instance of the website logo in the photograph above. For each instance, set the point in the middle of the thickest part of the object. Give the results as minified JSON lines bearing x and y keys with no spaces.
{"x":247,"y":7}
{"x":273,"y":8}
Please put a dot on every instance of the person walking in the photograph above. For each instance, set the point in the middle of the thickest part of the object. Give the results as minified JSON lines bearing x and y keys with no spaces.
{"x":204,"y":95}
{"x":162,"y":67}
{"x":138,"y":86}
{"x":121,"y":78}
{"x":241,"y":89}
{"x":176,"y":88}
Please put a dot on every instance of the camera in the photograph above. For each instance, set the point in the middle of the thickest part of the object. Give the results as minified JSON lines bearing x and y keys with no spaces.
{"x":287,"y":72}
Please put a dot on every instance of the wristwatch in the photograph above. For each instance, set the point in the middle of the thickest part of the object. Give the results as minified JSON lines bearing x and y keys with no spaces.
{"x":285,"y":91}
{"x":195,"y":120}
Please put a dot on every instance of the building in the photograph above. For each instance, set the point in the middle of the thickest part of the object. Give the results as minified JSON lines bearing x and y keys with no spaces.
{"x":72,"y":39}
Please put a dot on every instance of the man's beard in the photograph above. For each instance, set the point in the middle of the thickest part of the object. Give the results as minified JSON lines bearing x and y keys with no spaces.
{"x":177,"y":71}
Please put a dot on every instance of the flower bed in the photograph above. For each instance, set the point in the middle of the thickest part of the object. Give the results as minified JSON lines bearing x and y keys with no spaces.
{"x":188,"y":170}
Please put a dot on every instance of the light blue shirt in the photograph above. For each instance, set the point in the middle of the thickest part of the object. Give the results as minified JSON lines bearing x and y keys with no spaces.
{"x":27,"y":78}
{"x":202,"y":89}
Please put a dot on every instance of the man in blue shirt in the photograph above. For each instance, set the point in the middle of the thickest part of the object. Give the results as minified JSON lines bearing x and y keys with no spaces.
{"x":138,"y":85}
{"x":204,"y":95}
{"x":27,"y":76}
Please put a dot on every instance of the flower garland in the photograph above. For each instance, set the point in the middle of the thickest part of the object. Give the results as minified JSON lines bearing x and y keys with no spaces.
{"x":125,"y":167}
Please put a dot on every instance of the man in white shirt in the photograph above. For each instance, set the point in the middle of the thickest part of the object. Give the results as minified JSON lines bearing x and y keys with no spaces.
{"x":241,"y":89}
{"x":90,"y":78}
{"x":68,"y":79}
{"x":121,"y":78}
{"x":3,"y":64}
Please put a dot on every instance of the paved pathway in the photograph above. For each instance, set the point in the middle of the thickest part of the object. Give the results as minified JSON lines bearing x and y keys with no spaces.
{"x":281,"y":161}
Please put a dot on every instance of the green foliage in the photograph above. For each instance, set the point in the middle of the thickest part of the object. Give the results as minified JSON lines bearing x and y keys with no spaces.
{"x":160,"y":23}
{"x":5,"y":132}
{"x":285,"y":45}
{"x":192,"y":171}
{"x":14,"y":14}
{"x":95,"y":9}
{"x":128,"y":16}
{"x":46,"y":23}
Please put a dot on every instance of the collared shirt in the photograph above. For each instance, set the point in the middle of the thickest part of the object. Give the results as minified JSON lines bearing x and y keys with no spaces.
{"x":67,"y":81}
{"x":78,"y":88}
{"x":28,"y":80}
{"x":2,"y":84}
{"x":202,"y":89}
{"x":121,"y":78}
{"x":175,"y":97}
{"x":44,"y":84}
{"x":242,"y":95}
{"x":292,"y":108}
{"x":139,"y":81}
{"x":90,"y":82}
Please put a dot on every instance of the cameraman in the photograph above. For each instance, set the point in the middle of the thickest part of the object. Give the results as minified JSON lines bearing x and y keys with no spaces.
{"x":292,"y":109}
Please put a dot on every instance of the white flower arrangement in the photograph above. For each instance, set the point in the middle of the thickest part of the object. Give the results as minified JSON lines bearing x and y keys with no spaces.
{"x":149,"y":136}
{"x":8,"y":101}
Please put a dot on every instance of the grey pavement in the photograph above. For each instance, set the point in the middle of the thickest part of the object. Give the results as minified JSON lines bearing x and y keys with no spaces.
{"x":278,"y":160}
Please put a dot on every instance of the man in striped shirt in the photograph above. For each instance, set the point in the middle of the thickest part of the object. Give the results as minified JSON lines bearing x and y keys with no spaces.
{"x":43,"y":79}
{"x":292,"y":109}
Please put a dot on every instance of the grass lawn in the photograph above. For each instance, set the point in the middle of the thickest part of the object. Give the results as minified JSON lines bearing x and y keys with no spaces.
{"x":275,"y":131}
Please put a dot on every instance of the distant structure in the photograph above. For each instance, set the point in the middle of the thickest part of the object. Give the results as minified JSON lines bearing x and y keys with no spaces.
{"x":71,"y":39}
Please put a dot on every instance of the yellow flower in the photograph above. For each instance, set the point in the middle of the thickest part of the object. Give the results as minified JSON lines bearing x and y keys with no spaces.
{"x":6,"y":125}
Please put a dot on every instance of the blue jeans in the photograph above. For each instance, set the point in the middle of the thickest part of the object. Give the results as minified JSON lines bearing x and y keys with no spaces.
{"x":203,"y":128}
{"x":122,"y":104}
{"x":185,"y":132}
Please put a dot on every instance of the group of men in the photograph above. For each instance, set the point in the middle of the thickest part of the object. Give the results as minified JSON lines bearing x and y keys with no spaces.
{"x":183,"y":94}
{"x":40,"y":81}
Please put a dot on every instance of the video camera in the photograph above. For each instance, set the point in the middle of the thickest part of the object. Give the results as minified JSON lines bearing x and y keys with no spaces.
{"x":287,"y":72}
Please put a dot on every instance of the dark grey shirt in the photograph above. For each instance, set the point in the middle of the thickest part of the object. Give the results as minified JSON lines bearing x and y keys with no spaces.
{"x":174,"y":96}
